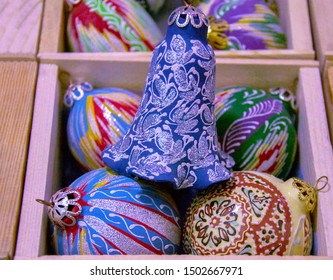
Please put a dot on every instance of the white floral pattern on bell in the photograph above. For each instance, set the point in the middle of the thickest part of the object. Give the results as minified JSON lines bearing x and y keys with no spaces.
{"x":173,"y":136}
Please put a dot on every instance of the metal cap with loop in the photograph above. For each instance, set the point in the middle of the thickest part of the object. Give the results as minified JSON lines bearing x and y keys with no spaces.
{"x":63,"y":207}
{"x":307,"y":193}
{"x":75,"y":92}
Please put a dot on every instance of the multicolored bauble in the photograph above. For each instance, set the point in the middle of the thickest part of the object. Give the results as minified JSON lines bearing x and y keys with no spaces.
{"x":256,"y":127}
{"x":104,"y":213}
{"x":111,"y":26}
{"x":243,"y":25}
{"x":97,"y":119}
{"x":251,"y":214}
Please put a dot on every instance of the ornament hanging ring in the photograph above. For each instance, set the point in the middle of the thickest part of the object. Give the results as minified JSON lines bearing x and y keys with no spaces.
{"x":47,"y":203}
{"x":320,"y":180}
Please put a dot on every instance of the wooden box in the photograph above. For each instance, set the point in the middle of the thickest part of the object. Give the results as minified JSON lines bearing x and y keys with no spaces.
{"x":321,"y":14}
{"x":327,"y":77}
{"x":17,"y":88}
{"x":44,"y":168}
{"x":20,"y":22}
{"x":294,"y":18}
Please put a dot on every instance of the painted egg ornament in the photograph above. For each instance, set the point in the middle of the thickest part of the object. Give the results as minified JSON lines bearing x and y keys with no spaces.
{"x":102,"y":213}
{"x":97,"y":118}
{"x":252,"y":214}
{"x":243,"y":25}
{"x":256,"y":127}
{"x":110,"y":26}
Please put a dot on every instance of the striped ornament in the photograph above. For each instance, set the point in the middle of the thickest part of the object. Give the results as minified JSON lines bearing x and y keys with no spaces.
{"x":102,"y":213}
{"x":111,"y":26}
{"x":97,"y":119}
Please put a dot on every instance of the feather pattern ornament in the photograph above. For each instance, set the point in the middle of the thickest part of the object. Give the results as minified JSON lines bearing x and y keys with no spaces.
{"x":256,"y":127}
{"x":243,"y":25}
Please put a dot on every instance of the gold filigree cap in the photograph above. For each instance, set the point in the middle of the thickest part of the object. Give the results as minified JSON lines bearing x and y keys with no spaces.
{"x":188,"y":14}
{"x":217,"y":33}
{"x":308,"y":193}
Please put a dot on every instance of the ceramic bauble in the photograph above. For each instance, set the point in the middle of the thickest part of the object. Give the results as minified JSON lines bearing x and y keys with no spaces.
{"x":243,"y":25}
{"x":104,"y":213}
{"x":173,"y":137}
{"x":256,"y":127}
{"x":111,"y":26}
{"x":97,"y":119}
{"x":251,"y":214}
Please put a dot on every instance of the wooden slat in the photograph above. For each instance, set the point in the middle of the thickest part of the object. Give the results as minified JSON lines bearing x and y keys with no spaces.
{"x":321,"y":13}
{"x":328,"y":93}
{"x":175,"y":257}
{"x":41,"y":176}
{"x":17,"y":85}
{"x":53,"y":27}
{"x":296,"y":21}
{"x":19,"y":27}
{"x":316,"y":154}
{"x":228,"y":69}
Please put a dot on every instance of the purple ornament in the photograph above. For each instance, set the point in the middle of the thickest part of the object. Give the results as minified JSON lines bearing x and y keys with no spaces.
{"x":243,"y":25}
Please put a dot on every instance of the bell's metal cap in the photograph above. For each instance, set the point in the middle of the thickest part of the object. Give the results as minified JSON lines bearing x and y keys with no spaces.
{"x":188,"y":14}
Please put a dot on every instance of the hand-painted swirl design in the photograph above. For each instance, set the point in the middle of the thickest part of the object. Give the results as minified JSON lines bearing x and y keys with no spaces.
{"x":256,"y":128}
{"x":117,"y":216}
{"x":111,"y":26}
{"x":251,"y":214}
{"x":243,"y":25}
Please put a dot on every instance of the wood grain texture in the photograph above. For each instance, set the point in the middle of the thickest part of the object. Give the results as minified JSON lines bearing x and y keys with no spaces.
{"x":321,"y":13}
{"x":17,"y":86}
{"x":20,"y":26}
{"x":328,"y":93}
{"x":294,"y":17}
{"x":316,"y":154}
{"x":53,"y":27}
{"x":41,"y":176}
